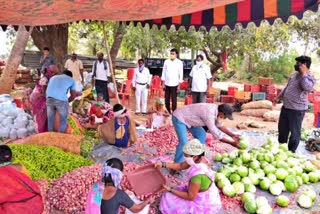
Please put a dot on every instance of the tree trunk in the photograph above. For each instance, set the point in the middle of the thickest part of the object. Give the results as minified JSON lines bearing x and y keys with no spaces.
{"x":216,"y":64}
{"x":8,"y":76}
{"x":119,"y":31}
{"x":55,"y":37}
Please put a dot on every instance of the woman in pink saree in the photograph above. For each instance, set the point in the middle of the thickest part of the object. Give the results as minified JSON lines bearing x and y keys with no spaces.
{"x":200,"y":195}
{"x":38,"y":99}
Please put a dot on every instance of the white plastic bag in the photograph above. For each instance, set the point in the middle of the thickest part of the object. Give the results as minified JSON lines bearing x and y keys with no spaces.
{"x":137,"y":201}
{"x":4,"y":132}
{"x":22,"y":133}
{"x":13,"y":134}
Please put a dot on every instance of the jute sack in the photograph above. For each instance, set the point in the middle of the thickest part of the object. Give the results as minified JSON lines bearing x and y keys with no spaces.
{"x":254,"y":112}
{"x":261,"y":104}
{"x":271,"y":116}
{"x":66,"y":142}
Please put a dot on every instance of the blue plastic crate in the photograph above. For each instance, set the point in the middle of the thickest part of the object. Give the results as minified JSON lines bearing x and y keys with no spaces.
{"x":258,"y":96}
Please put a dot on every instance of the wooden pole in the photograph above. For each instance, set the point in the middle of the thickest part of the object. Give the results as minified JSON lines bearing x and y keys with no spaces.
{"x":110,"y":62}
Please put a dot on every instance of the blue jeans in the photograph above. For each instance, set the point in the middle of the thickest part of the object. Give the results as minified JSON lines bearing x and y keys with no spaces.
{"x":62,"y":107}
{"x":181,"y":130}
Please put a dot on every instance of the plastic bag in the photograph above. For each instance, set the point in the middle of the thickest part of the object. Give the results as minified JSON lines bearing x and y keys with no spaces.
{"x":4,"y":132}
{"x":7,"y":121}
{"x":13,"y":134}
{"x":5,"y":98}
{"x":18,"y":125}
{"x":2,"y":117}
{"x":137,"y":201}
{"x":12,"y":113}
{"x":22,"y":133}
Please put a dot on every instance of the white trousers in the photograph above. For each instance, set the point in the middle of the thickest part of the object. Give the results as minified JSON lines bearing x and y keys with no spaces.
{"x":141,"y":98}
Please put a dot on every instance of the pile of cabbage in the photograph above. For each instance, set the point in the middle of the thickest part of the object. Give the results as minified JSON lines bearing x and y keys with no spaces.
{"x":14,"y":122}
{"x":271,"y":167}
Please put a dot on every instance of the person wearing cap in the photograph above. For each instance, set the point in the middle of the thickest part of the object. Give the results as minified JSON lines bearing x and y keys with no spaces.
{"x":159,"y":116}
{"x":140,"y":83}
{"x":200,"y":195}
{"x":76,"y":67}
{"x":194,"y":117}
{"x":295,"y":102}
{"x":119,"y":131}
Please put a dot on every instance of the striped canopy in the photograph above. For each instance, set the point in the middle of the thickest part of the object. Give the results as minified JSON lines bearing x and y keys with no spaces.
{"x":51,"y":12}
{"x":242,"y":12}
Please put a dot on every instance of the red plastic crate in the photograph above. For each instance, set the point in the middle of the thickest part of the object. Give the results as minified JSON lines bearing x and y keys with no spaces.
{"x":227,"y":99}
{"x":255,"y":88}
{"x":188,"y":100}
{"x":271,"y":97}
{"x":269,"y":89}
{"x":265,"y":81}
{"x":247,"y":87}
{"x":316,"y":106}
{"x":184,"y":85}
{"x":232,"y":91}
{"x":278,"y":90}
{"x":315,"y":121}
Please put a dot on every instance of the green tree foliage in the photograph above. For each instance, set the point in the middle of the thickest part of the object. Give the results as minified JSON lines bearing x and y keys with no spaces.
{"x":87,"y":37}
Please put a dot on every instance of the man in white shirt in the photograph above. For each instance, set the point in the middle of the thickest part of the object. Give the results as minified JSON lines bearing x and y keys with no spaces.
{"x":200,"y":80}
{"x":76,"y":67}
{"x":140,"y":82}
{"x":100,"y":74}
{"x":172,"y":76}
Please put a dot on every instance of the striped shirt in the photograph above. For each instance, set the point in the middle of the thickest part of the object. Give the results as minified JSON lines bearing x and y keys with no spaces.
{"x":200,"y":114}
{"x":295,"y":94}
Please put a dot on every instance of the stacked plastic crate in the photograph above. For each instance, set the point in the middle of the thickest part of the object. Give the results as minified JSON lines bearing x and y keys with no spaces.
{"x":315,"y":99}
{"x":230,"y":97}
{"x":264,"y":83}
{"x":270,"y":91}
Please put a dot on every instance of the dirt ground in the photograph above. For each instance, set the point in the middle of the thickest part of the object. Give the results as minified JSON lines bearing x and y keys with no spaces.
{"x":269,"y":126}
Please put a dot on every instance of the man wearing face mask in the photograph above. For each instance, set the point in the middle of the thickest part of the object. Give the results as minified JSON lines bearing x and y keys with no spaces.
{"x":172,"y":76}
{"x":295,"y":102}
{"x":193,"y":117}
{"x":140,"y":82}
{"x":200,"y":80}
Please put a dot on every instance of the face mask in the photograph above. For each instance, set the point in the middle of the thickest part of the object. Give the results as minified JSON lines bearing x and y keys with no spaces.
{"x":141,"y":67}
{"x":198,"y":62}
{"x":190,"y":161}
{"x":99,"y":103}
{"x":297,"y":68}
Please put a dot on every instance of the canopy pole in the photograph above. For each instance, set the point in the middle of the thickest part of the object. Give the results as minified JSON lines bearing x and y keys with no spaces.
{"x":110,"y":63}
